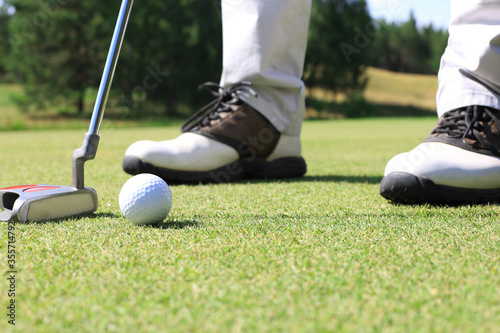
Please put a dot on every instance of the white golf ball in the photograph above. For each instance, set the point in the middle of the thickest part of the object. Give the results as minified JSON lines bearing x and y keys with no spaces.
{"x":145,"y":199}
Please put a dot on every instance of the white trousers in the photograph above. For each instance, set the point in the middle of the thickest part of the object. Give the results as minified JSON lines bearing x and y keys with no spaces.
{"x":265,"y":43}
{"x":470,"y":67}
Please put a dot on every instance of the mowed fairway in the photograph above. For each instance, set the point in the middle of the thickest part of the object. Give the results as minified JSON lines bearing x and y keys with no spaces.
{"x":324,"y":253}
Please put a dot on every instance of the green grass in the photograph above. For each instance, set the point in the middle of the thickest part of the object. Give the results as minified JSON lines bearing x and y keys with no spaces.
{"x":324,"y":253}
{"x":9,"y":114}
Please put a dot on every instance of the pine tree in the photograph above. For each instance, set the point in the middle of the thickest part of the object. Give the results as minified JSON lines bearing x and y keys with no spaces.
{"x":405,"y":47}
{"x":4,"y":42}
{"x":340,"y":36}
{"x":59,"y":47}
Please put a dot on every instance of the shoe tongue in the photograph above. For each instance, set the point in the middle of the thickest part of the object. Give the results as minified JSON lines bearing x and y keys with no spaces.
{"x":227,"y":102}
{"x":222,"y":112}
{"x":234,"y":99}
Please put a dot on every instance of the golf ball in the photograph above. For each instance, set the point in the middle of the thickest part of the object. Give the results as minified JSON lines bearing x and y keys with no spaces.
{"x":145,"y":199}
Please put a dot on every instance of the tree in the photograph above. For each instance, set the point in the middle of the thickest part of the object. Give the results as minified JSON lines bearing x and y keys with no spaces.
{"x":437,"y":40}
{"x":4,"y":43}
{"x":340,"y":35}
{"x":171,"y":47}
{"x":59,"y":47}
{"x":407,"y":48}
{"x":414,"y":49}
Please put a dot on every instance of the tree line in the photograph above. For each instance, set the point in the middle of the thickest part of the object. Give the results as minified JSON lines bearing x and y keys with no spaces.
{"x":57,"y":49}
{"x":406,"y":48}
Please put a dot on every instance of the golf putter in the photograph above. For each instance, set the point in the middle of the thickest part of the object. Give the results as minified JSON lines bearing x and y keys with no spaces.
{"x":45,"y":202}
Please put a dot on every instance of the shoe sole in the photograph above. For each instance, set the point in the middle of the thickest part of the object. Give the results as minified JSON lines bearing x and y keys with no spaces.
{"x":406,"y":188}
{"x":287,"y":167}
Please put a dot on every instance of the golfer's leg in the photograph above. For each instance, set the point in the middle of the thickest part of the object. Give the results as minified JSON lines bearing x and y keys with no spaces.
{"x":265,"y":43}
{"x":252,"y":131}
{"x":459,"y":161}
{"x":470,"y":67}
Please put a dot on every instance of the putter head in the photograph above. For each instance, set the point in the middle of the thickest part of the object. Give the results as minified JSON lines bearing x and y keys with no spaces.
{"x":45,"y":202}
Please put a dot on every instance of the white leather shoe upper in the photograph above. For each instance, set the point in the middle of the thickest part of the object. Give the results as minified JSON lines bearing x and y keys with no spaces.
{"x":187,"y":152}
{"x":288,"y":146}
{"x":445,"y":164}
{"x":194,"y":152}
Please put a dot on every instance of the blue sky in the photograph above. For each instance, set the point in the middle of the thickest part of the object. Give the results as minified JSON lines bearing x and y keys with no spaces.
{"x":436,"y":12}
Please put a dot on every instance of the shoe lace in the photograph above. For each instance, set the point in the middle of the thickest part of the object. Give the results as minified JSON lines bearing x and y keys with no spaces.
{"x":225,"y":98}
{"x":469,"y":123}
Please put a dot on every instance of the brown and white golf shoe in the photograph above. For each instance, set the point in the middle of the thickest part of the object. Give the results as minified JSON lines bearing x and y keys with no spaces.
{"x":227,"y":140}
{"x":458,"y":163}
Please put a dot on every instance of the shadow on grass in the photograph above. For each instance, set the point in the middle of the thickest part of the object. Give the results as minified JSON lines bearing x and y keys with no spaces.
{"x":336,"y":179}
{"x":305,"y":179}
{"x":178,"y":225}
{"x":434,"y":204}
{"x":73,"y":218}
{"x":319,"y":179}
{"x":103,"y":214}
{"x":360,"y":108}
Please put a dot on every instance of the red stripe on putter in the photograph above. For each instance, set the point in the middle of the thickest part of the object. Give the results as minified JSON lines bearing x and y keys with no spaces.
{"x":17,"y":187}
{"x":40,"y":188}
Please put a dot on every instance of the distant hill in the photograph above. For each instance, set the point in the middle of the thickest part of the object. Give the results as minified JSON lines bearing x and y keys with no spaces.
{"x":387,"y":94}
{"x":385,"y":87}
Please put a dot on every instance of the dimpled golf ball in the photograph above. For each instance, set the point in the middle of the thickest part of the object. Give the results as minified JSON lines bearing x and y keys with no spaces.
{"x":145,"y":199}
